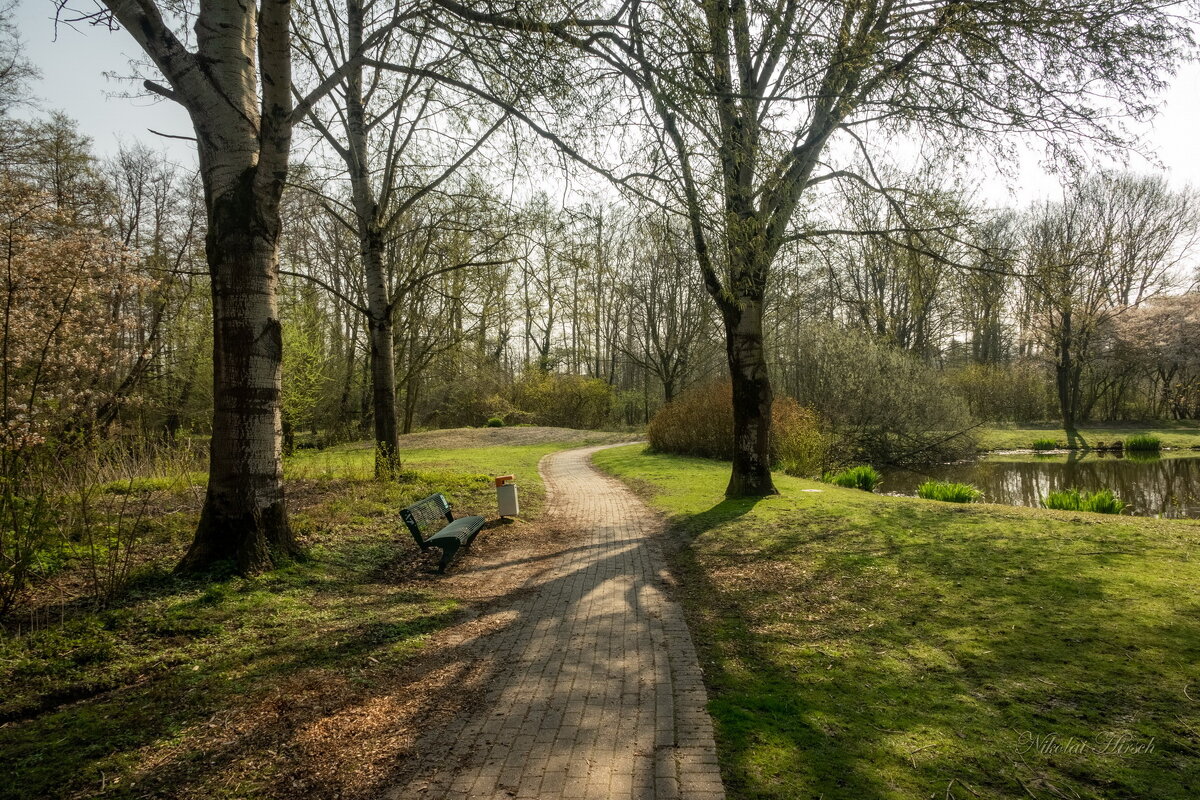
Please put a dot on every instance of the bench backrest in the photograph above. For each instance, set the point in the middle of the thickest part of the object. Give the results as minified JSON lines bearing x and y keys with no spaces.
{"x":425,"y":513}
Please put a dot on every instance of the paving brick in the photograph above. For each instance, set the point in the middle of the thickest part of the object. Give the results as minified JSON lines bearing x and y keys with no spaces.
{"x":596,"y":691}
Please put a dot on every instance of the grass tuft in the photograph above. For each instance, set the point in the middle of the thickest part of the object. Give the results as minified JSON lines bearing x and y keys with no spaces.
{"x":1144,"y":442}
{"x":1100,"y":502}
{"x":1045,"y":444}
{"x":864,"y":477}
{"x":949,"y":492}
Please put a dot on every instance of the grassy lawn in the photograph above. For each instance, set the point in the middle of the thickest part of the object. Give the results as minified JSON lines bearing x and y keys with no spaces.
{"x":1022,"y":435}
{"x":280,"y":685}
{"x":861,"y":647}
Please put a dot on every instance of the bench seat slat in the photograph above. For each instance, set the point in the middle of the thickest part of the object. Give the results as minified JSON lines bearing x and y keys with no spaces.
{"x":463,"y":529}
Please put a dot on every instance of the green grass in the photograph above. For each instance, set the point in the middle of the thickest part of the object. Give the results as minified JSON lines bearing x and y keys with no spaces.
{"x":1045,"y":444}
{"x":866,"y":647}
{"x":157,"y":695}
{"x":1099,"y":502}
{"x":865,"y":478}
{"x":1143,"y":442}
{"x":1172,"y":433}
{"x":437,"y":468}
{"x":92,"y":698}
{"x":949,"y":492}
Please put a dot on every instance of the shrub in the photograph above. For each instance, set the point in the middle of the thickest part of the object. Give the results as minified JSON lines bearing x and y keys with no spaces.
{"x":1144,"y":442}
{"x":699,"y":422}
{"x":1013,"y":392}
{"x":29,"y":509}
{"x":797,"y":443}
{"x":495,"y":422}
{"x":568,"y":401}
{"x":865,"y":478}
{"x":884,"y":405}
{"x":1045,"y":444}
{"x":949,"y":492}
{"x":1100,"y":502}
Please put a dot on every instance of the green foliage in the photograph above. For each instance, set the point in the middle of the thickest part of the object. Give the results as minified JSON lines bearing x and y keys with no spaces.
{"x":799,"y":446}
{"x":29,"y":511}
{"x":1045,"y":444}
{"x":949,"y":492}
{"x":495,"y":422}
{"x":1005,"y":392}
{"x":565,"y":401}
{"x":1100,"y":502}
{"x":699,"y":422}
{"x":865,"y":478}
{"x":304,"y":363}
{"x":1145,"y":442}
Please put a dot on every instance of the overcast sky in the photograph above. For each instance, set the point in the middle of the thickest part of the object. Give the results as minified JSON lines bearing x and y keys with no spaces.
{"x":74,"y":68}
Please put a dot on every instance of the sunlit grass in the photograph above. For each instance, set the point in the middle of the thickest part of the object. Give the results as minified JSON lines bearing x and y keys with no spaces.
{"x":949,"y":492}
{"x":866,"y":646}
{"x":1099,"y":502}
{"x":1017,"y":436}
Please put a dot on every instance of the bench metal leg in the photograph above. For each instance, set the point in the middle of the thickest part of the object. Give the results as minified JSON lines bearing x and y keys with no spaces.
{"x":448,"y":551}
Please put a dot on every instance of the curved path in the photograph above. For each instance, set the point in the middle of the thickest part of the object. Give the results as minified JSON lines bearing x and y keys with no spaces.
{"x":596,"y":691}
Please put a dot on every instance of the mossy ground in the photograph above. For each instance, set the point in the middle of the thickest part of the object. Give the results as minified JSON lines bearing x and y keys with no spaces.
{"x":861,"y":646}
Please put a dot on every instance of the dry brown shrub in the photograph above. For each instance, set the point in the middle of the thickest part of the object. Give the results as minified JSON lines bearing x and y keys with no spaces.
{"x":699,"y":422}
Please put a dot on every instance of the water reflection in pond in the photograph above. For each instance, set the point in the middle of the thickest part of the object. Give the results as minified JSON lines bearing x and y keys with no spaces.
{"x":1168,"y":486}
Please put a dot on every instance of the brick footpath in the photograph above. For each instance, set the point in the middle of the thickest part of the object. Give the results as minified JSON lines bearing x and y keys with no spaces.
{"x":596,"y":691}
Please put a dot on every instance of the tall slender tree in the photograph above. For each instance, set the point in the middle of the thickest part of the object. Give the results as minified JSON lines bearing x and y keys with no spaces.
{"x":400,"y":142}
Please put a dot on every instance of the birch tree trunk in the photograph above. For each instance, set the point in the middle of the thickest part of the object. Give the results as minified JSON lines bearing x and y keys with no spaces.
{"x":243,"y":138}
{"x":245,"y":516}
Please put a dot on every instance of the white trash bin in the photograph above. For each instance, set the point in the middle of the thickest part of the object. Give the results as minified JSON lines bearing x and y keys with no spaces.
{"x":506,"y":497}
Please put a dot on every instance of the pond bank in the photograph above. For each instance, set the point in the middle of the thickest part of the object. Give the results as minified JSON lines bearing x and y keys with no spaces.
{"x":1017,"y":436}
{"x":1151,"y":485}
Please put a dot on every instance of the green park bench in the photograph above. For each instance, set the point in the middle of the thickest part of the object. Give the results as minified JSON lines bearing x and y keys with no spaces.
{"x":457,"y":534}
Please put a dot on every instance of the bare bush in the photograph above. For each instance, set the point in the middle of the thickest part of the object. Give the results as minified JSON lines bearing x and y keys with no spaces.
{"x":699,"y":422}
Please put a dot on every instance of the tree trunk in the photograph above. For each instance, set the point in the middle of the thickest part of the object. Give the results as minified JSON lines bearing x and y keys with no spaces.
{"x":383,"y":397}
{"x":668,"y":387}
{"x":1063,"y":373}
{"x":751,"y":475}
{"x":244,"y":519}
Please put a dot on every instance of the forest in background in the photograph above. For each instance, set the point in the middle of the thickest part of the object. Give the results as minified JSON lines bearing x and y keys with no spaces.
{"x":590,"y":315}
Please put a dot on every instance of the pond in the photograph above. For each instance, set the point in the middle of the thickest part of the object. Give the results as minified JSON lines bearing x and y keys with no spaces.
{"x":1167,"y":486}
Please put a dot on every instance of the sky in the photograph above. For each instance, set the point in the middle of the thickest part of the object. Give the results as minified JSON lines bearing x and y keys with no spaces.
{"x":77,"y":68}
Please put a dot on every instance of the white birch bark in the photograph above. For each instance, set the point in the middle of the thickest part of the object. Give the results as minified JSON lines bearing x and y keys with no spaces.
{"x":243,"y":137}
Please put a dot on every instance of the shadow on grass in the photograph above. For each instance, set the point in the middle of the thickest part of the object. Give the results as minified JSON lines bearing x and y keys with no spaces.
{"x":922,"y":655}
{"x":347,"y":705}
{"x":722,"y":513}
